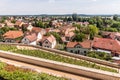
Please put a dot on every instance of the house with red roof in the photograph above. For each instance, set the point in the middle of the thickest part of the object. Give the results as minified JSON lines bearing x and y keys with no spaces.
{"x":36,"y":29}
{"x":67,"y":33}
{"x":13,"y":36}
{"x":9,"y":24}
{"x":111,"y":35}
{"x":48,"y":41}
{"x":79,"y":47}
{"x":30,"y":39}
{"x":19,"y":24}
{"x":107,"y":45}
{"x":83,"y":23}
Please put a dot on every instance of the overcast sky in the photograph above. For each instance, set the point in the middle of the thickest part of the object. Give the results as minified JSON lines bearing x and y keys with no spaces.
{"x":18,"y":7}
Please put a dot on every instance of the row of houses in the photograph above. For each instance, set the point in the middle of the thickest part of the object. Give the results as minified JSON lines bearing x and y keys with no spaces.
{"x":109,"y":46}
{"x":17,"y":24}
{"x":110,"y":43}
{"x":34,"y":36}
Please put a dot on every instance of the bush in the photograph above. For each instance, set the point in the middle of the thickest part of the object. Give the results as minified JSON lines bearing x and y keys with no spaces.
{"x":99,"y":55}
{"x":21,"y":74}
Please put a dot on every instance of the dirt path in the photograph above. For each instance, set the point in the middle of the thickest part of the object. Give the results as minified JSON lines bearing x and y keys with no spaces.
{"x":45,"y":70}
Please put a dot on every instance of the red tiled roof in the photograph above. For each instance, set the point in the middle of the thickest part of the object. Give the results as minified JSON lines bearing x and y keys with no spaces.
{"x":111,"y":35}
{"x":18,"y":23}
{"x":48,"y":29}
{"x":107,"y":44}
{"x":50,"y":38}
{"x":84,"y":44}
{"x":71,"y":44}
{"x":36,"y":29}
{"x":9,"y":24}
{"x":32,"y":37}
{"x":70,"y":34}
{"x":13,"y":34}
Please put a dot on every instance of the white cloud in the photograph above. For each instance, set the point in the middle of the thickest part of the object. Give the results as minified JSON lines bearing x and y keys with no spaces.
{"x":94,"y":0}
{"x":51,"y":1}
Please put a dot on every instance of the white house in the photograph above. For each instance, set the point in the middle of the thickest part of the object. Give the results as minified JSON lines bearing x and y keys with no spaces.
{"x":48,"y":41}
{"x":30,"y":39}
{"x":79,"y":47}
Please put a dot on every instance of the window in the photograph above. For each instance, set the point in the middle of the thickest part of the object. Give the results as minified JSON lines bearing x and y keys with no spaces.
{"x":78,"y":46}
{"x":85,"y":52}
{"x":71,"y":51}
{"x":46,"y":42}
{"x":116,"y":55}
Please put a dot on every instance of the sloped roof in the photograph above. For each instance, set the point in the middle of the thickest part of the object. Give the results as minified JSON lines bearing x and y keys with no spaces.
{"x":13,"y":34}
{"x":36,"y":29}
{"x":106,"y":44}
{"x":70,"y":34}
{"x":50,"y":38}
{"x":84,"y":44}
{"x":32,"y":37}
{"x":18,"y":23}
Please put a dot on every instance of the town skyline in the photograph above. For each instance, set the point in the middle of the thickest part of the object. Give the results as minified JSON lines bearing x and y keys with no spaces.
{"x":36,"y":7}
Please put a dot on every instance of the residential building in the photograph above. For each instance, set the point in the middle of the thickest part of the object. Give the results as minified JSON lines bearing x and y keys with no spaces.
{"x":13,"y":36}
{"x":36,"y":29}
{"x":68,"y":37}
{"x":9,"y":24}
{"x":30,"y":39}
{"x":48,"y":41}
{"x":67,"y":33}
{"x":109,"y":46}
{"x":111,"y":35}
{"x":2,"y":25}
{"x":19,"y":24}
{"x":79,"y":47}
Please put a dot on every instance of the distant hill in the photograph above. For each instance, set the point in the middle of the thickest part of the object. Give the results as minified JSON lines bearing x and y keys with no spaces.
{"x":84,"y":15}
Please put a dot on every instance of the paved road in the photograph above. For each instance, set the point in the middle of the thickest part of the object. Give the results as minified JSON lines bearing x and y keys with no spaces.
{"x":45,"y":70}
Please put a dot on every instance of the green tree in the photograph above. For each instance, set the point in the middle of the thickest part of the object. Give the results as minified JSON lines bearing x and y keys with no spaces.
{"x":13,"y":21}
{"x":79,"y":37}
{"x":24,"y":29}
{"x":93,"y":30}
{"x":99,"y":22}
{"x":69,"y":19}
{"x":39,"y":24}
{"x":74,"y":17}
{"x":115,"y":17}
{"x":56,"y":35}
{"x":3,"y":19}
{"x":116,"y":25}
{"x":110,"y":29}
